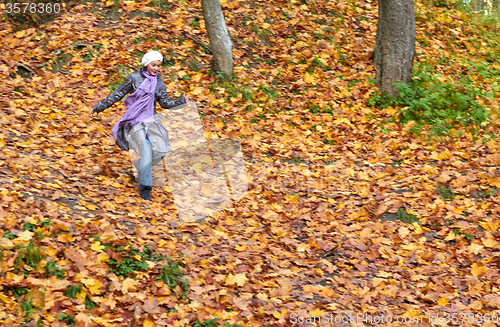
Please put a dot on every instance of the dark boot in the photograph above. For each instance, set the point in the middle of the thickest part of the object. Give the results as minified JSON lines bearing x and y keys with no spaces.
{"x":145,"y":192}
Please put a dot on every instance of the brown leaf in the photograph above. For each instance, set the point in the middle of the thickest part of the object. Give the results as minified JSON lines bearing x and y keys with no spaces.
{"x":129,"y":285}
{"x":109,"y":237}
{"x":82,"y":320}
{"x":151,"y":307}
{"x":77,"y":258}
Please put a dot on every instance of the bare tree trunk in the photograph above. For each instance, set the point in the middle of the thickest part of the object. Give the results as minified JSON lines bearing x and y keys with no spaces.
{"x":220,"y":42}
{"x":395,"y":43}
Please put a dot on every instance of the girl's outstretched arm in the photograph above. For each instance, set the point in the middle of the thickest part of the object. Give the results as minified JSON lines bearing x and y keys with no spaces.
{"x":165,"y":102}
{"x":114,"y":97}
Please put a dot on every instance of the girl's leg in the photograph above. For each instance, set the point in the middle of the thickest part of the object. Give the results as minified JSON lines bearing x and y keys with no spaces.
{"x":145,"y":164}
{"x":145,"y":179}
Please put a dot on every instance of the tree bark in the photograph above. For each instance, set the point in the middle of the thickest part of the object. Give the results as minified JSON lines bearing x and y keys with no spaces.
{"x":395,"y":43}
{"x":220,"y":42}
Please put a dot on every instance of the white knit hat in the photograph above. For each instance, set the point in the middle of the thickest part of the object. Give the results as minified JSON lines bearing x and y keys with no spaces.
{"x":151,"y":56}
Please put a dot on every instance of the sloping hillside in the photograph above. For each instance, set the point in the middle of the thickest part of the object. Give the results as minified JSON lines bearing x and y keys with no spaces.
{"x":347,"y":212}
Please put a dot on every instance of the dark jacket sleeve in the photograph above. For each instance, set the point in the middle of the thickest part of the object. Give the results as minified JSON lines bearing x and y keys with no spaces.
{"x":116,"y":96}
{"x":164,"y":101}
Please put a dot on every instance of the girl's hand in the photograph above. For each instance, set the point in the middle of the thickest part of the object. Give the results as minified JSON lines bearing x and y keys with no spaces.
{"x":186,"y":98}
{"x":96,"y":110}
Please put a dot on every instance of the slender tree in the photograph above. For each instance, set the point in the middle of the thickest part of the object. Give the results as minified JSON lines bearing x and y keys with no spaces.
{"x":220,"y":42}
{"x":395,"y":43}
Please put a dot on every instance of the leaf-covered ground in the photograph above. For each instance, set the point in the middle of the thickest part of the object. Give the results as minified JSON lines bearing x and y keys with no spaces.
{"x":346,"y":212}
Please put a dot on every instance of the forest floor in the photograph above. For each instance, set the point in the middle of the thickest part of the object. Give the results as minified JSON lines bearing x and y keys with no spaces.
{"x":347,"y":213}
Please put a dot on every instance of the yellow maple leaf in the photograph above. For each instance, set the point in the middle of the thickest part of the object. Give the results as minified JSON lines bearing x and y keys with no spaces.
{"x":229,"y":279}
{"x":108,"y":204}
{"x":4,"y":298}
{"x":238,"y":279}
{"x":103,"y":257}
{"x":316,"y":312}
{"x":464,"y":155}
{"x":219,"y":124}
{"x":384,"y":274}
{"x":88,"y":205}
{"x":24,"y":236}
{"x":490,"y":225}
{"x":278,"y":315}
{"x":410,"y":247}
{"x":196,"y":78}
{"x":419,"y":229}
{"x":445,"y":155}
{"x":485,"y":205}
{"x":53,"y":185}
{"x":148,"y":323}
{"x":20,"y":34}
{"x":494,"y":182}
{"x":308,"y":78}
{"x":96,"y":246}
{"x":391,"y":110}
{"x":442,"y":302}
{"x":197,"y":90}
{"x":81,"y":295}
{"x":240,"y":248}
{"x":94,"y":289}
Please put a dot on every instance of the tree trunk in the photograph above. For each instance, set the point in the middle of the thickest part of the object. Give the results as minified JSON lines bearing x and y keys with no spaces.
{"x":395,"y":43}
{"x":220,"y":42}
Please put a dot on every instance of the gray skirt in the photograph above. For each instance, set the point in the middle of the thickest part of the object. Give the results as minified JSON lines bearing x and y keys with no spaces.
{"x":132,"y":137}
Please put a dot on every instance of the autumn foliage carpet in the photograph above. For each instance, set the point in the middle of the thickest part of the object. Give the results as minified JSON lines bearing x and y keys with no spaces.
{"x":346,"y":212}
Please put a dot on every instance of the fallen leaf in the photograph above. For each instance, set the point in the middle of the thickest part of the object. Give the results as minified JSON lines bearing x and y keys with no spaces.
{"x":129,"y":285}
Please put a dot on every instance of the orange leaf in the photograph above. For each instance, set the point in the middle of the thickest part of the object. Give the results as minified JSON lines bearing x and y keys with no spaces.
{"x":478,"y":270}
{"x":489,"y":242}
{"x":65,"y":238}
{"x":119,"y":199}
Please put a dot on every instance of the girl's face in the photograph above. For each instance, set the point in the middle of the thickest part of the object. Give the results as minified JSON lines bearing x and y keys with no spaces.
{"x":153,"y":67}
